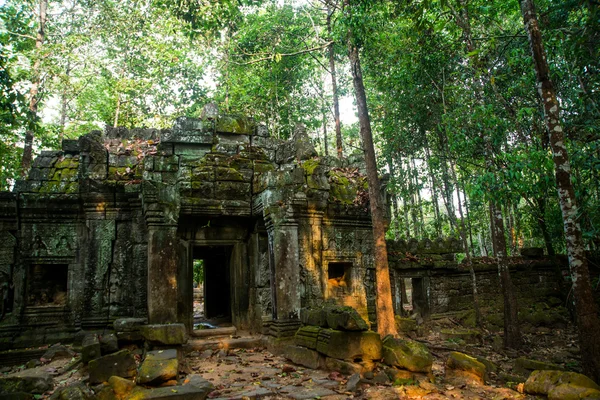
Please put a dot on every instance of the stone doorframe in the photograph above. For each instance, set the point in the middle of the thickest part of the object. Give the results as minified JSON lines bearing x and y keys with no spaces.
{"x":239,"y":281}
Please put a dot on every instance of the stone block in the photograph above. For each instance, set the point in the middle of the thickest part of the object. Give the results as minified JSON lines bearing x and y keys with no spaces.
{"x":405,"y":325}
{"x":75,"y":391}
{"x":532,"y":252}
{"x":524,"y":366}
{"x":307,"y":336}
{"x":200,"y":383}
{"x":561,"y":385}
{"x":70,"y":146}
{"x":159,"y":366}
{"x":465,"y":335}
{"x":27,"y":381}
{"x":165,"y":334}
{"x":461,"y":368}
{"x":342,"y":366}
{"x":407,"y":354}
{"x":232,"y":190}
{"x":302,"y":356}
{"x":235,"y":124}
{"x":314,"y":316}
{"x":58,"y":351}
{"x":347,"y":345}
{"x":120,"y":364}
{"x":129,"y":324}
{"x":121,"y":387}
{"x":90,"y":348}
{"x":346,"y":319}
{"x":228,"y":174}
{"x":109,"y":343}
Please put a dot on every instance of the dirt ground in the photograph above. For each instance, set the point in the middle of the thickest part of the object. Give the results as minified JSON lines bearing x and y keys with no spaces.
{"x":257,"y":373}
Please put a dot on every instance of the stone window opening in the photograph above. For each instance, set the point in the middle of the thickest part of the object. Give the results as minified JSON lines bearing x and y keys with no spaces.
{"x":47,"y":285}
{"x":338,"y":274}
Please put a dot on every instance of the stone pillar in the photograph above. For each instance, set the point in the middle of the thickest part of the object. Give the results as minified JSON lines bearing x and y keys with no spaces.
{"x":163,"y":259}
{"x":287,"y":271}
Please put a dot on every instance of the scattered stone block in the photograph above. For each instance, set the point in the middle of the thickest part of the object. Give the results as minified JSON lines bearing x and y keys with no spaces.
{"x":525,"y":366}
{"x":56,"y":352}
{"x":109,"y":343}
{"x":344,"y":367}
{"x":345,"y":319}
{"x":200,"y":383}
{"x":302,"y":356}
{"x":120,"y":364}
{"x":121,"y":386}
{"x":352,"y":346}
{"x":159,"y":366}
{"x":466,"y":335}
{"x":353,"y":382}
{"x":572,"y":392}
{"x":90,"y":348}
{"x":560,"y":385}
{"x":405,"y":325}
{"x":128,"y":324}
{"x":407,"y":354}
{"x":76,"y":391}
{"x":165,"y":334}
{"x":27,"y":381}
{"x":464,"y":369}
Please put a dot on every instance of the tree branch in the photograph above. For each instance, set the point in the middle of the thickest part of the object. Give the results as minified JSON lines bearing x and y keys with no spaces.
{"x":272,"y":56}
{"x":21,"y":35}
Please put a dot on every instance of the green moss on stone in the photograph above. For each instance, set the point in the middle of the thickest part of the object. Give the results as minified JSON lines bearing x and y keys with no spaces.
{"x":309,"y":166}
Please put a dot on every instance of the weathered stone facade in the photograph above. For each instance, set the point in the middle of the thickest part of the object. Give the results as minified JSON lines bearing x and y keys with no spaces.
{"x":109,"y":226}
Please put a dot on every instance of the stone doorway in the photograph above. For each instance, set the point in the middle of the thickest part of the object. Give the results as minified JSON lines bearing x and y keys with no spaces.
{"x":212,"y":287}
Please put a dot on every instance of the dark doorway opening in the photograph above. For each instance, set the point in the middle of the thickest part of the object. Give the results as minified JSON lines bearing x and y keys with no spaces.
{"x":47,"y":285}
{"x":212,"y":286}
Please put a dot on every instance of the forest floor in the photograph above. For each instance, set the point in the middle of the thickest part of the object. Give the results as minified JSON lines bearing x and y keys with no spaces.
{"x":255,"y":373}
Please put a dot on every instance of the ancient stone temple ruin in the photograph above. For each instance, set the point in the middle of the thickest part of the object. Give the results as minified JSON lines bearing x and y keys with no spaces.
{"x":111,"y":225}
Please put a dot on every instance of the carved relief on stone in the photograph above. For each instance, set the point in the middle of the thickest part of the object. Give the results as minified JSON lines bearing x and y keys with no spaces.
{"x":50,"y":240}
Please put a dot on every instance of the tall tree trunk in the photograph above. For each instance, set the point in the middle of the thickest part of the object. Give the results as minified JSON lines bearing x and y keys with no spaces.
{"x":117,"y":111}
{"x":434,"y":196}
{"x":396,"y":210}
{"x":325,"y":133}
{"x":385,"y":312}
{"x":512,"y":332}
{"x":463,"y":236}
{"x":586,"y":309}
{"x":336,"y":102}
{"x":35,"y":88}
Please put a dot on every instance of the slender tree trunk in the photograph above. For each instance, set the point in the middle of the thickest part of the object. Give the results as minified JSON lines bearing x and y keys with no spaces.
{"x":385,"y":312}
{"x":396,"y":210}
{"x":434,"y":196}
{"x":419,"y":200}
{"x":325,"y":134}
{"x":463,"y":236}
{"x":587,"y":312}
{"x":117,"y":111}
{"x":512,"y":332}
{"x":35,"y":88}
{"x":334,"y":88}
